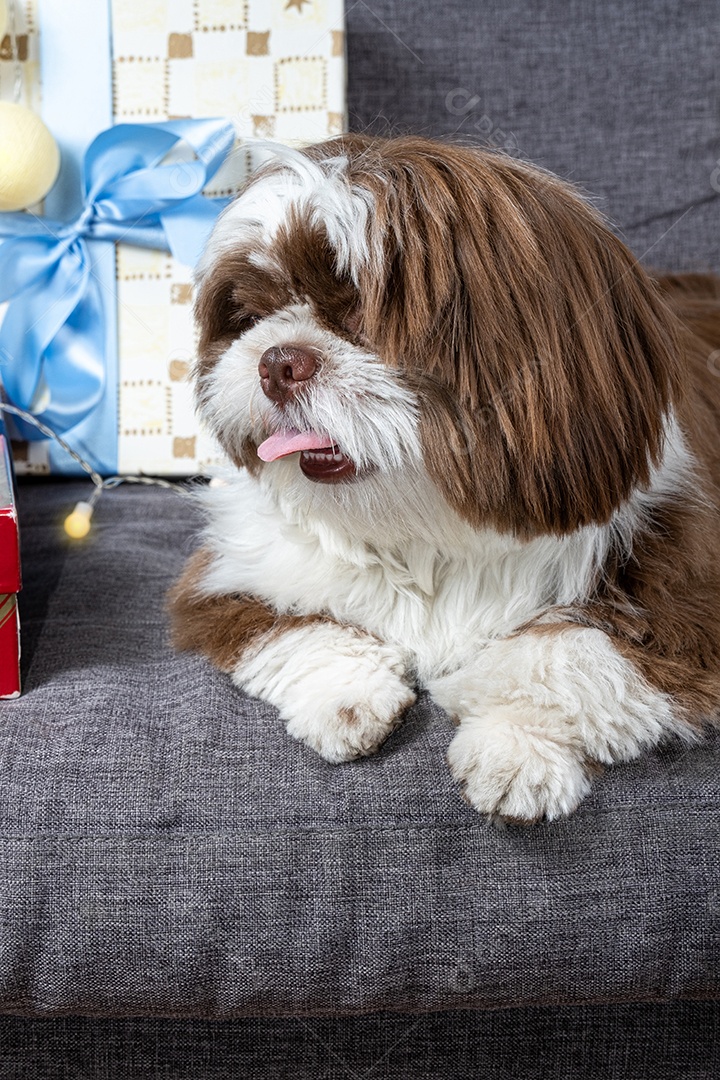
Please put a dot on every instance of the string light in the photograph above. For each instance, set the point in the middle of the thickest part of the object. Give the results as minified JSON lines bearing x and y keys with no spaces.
{"x":78,"y":522}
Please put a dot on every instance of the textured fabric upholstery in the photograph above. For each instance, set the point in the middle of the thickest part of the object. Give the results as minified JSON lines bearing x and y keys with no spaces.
{"x":619,"y":97}
{"x":167,"y":849}
{"x":612,"y":1042}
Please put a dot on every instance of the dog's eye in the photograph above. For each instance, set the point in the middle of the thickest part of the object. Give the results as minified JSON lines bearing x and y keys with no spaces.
{"x":352,"y":320}
{"x":244,"y":321}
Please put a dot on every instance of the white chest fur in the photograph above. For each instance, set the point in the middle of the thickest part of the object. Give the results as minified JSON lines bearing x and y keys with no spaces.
{"x":438,"y":596}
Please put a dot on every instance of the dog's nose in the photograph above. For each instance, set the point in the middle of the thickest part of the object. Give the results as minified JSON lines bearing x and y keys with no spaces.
{"x":282,"y":370}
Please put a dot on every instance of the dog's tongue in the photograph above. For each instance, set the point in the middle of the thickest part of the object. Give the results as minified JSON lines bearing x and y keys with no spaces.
{"x":283,"y":443}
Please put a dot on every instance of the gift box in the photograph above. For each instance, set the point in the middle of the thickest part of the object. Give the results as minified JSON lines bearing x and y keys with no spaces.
{"x":9,"y":577}
{"x":273,"y":70}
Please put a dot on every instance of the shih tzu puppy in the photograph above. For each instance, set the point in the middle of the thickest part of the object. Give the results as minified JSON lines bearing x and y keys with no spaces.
{"x":477,"y":451}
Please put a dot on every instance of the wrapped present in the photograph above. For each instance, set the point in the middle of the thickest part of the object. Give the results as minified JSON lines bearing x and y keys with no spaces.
{"x":9,"y":577}
{"x":112,"y":377}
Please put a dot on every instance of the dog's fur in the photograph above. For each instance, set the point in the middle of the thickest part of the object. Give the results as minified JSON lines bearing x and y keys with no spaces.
{"x":532,"y":532}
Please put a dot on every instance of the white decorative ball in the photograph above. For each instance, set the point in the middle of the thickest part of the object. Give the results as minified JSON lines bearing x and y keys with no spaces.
{"x":29,"y":157}
{"x":3,"y":19}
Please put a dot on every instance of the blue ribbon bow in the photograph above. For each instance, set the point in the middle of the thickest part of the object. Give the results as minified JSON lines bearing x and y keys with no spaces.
{"x":52,"y":339}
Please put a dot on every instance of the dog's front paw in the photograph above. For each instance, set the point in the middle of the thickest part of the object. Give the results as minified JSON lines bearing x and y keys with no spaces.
{"x":340,"y":731}
{"x":340,"y":690}
{"x":515,"y":771}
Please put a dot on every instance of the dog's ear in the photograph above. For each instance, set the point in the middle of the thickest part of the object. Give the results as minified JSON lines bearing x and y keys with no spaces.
{"x":544,"y":357}
{"x":214,"y":306}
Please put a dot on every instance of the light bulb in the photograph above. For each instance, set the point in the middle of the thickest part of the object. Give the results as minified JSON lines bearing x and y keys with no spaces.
{"x":77,"y":524}
{"x":29,"y":157}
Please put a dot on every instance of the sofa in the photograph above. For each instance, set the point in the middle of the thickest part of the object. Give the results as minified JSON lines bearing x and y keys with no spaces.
{"x":189,"y":893}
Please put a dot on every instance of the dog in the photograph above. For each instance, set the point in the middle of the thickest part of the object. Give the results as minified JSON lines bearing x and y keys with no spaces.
{"x":477,"y":451}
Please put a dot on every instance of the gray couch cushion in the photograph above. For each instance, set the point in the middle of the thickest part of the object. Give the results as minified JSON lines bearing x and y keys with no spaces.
{"x":167,"y":849}
{"x":620,"y":97}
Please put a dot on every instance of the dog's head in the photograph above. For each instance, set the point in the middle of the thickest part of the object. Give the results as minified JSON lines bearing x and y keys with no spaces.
{"x":378,"y":313}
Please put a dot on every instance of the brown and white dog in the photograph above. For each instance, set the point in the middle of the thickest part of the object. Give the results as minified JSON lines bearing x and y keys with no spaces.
{"x":477,"y":450}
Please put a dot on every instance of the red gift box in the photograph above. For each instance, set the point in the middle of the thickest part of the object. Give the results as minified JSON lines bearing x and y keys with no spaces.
{"x":9,"y":577}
